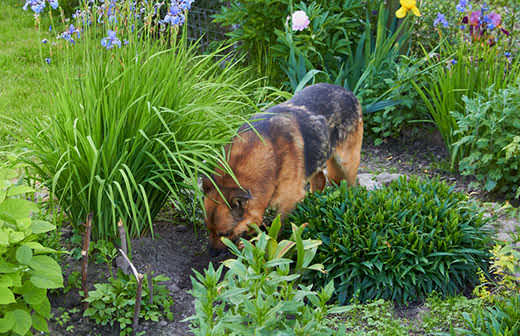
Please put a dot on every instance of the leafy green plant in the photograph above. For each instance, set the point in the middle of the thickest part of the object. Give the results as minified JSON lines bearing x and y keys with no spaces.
{"x":489,"y":139}
{"x":26,"y":269}
{"x":502,"y":319}
{"x":113,"y":302}
{"x":372,"y":318}
{"x":446,"y":315}
{"x":468,"y":70}
{"x":399,"y":243}
{"x":132,"y":126}
{"x":259,"y":293}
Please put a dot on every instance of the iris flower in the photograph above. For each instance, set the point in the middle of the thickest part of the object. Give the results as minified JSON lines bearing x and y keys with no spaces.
{"x":407,"y":5}
{"x":111,"y":40}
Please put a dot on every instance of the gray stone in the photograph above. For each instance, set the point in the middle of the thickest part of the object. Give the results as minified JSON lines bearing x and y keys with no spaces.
{"x":386,"y":178}
{"x":368,"y":181}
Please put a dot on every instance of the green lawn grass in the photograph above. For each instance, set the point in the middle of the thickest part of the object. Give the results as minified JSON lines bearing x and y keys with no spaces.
{"x":22,"y":88}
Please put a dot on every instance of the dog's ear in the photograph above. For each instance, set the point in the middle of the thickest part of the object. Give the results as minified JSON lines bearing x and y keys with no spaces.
{"x":238,"y":203}
{"x":207,"y":185}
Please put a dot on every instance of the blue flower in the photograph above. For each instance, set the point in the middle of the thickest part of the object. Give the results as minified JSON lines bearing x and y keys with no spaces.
{"x":507,"y":54}
{"x":54,"y":4}
{"x":48,"y":60}
{"x":441,"y":19}
{"x":463,"y":5}
{"x":37,"y":6}
{"x":67,"y":35}
{"x":45,"y":41}
{"x":111,"y":40}
{"x":453,"y":61}
{"x":50,"y":28}
{"x":185,"y":4}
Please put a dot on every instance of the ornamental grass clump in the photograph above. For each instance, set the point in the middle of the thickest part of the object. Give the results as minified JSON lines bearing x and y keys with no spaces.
{"x":137,"y":119}
{"x":398,"y":243}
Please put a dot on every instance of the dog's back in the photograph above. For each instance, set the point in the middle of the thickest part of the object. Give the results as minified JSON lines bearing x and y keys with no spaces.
{"x":325,"y":114}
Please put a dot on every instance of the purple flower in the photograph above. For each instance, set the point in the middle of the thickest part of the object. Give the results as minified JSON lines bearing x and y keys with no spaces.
{"x":453,"y":61}
{"x":111,"y":40}
{"x":507,"y":54}
{"x":47,"y":60}
{"x":441,"y":19}
{"x":44,"y":41}
{"x":495,"y":18}
{"x":50,"y":28}
{"x":474,"y":18}
{"x":174,"y":16}
{"x":68,"y":34}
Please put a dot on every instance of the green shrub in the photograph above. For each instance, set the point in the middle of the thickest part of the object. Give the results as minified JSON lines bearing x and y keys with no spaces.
{"x":489,"y":132}
{"x":398,"y":243}
{"x":26,"y":269}
{"x":259,"y":294}
{"x":502,"y":319}
{"x":114,"y":302}
{"x":134,"y":125}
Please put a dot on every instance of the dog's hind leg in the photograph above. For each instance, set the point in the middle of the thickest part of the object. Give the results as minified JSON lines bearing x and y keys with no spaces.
{"x":344,"y":163}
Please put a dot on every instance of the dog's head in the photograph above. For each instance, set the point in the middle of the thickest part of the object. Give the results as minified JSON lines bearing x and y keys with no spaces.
{"x":227,"y":214}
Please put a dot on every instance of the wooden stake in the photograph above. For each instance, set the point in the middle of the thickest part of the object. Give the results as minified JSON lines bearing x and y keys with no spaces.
{"x":122,"y":235}
{"x":139,"y":278}
{"x":84,"y":254}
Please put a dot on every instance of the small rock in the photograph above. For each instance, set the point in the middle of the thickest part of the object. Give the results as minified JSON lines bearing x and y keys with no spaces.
{"x":368,"y":181}
{"x":386,"y":178}
{"x":163,"y":323}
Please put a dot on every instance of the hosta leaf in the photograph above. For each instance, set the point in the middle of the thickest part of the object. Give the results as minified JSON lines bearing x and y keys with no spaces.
{"x":6,"y":296}
{"x":33,"y":295}
{"x":24,"y":255}
{"x":39,"y":226}
{"x":13,"y":209}
{"x":22,"y":321}
{"x":39,"y":323}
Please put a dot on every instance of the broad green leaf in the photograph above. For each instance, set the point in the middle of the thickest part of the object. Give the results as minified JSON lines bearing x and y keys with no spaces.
{"x":39,"y":323}
{"x":24,"y":255}
{"x":46,"y":272}
{"x":39,"y":226}
{"x":47,"y":281}
{"x":19,"y":190}
{"x":33,"y":295}
{"x":22,"y":321}
{"x":6,"y":324}
{"x":6,"y":296}
{"x":43,"y":308}
{"x":6,"y":267}
{"x":39,"y":248}
{"x":13,"y":209}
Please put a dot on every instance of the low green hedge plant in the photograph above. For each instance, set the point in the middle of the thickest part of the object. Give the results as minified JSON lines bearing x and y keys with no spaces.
{"x":400,"y":242}
{"x":26,"y":269}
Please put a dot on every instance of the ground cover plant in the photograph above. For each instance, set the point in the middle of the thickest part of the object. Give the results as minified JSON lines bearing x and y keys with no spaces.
{"x":26,"y":269}
{"x":398,"y":243}
{"x":112,"y":303}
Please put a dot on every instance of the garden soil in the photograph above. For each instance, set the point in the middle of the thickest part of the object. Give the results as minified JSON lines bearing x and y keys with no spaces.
{"x":177,"y":248}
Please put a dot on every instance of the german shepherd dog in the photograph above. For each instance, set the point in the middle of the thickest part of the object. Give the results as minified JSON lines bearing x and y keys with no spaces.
{"x":320,"y":127}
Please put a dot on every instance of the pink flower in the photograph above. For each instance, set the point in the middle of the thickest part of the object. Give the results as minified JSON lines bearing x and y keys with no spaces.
{"x":495,"y":18}
{"x":474,"y":18}
{"x":300,"y":20}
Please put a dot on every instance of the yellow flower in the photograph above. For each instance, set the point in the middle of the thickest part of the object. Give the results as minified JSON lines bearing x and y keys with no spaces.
{"x":407,"y":5}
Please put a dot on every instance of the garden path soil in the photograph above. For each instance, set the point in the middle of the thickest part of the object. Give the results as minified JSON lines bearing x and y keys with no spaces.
{"x":177,"y":249}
